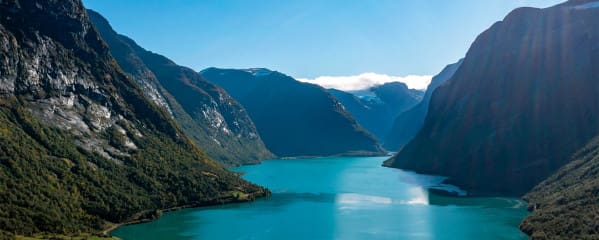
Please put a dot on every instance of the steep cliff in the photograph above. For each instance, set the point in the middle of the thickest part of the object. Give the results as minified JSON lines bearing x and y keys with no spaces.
{"x":81,"y":145}
{"x":206,"y":113}
{"x":407,"y":124}
{"x":523,"y":101}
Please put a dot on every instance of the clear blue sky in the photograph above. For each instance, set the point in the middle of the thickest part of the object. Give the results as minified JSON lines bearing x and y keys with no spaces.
{"x":309,"y":38}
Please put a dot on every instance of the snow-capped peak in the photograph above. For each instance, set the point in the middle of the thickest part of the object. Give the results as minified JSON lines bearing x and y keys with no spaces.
{"x":258,"y":71}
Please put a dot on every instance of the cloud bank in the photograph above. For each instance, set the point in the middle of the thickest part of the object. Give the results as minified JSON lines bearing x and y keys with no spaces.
{"x":367,"y":80}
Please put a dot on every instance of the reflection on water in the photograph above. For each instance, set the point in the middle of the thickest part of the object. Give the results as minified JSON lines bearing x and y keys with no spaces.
{"x":341,"y":198}
{"x":489,"y":202}
{"x":420,"y":196}
{"x":429,"y":182}
{"x":348,"y":199}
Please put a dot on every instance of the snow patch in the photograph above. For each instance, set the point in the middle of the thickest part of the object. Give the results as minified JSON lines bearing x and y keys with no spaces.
{"x":258,"y":71}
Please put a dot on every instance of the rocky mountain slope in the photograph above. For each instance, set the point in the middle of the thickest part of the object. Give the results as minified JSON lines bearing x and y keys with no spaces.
{"x":376,"y":112}
{"x":205,"y":112}
{"x":523,"y":101}
{"x":566,"y":205}
{"x":407,"y":124}
{"x":294,"y":118}
{"x":81,"y":145}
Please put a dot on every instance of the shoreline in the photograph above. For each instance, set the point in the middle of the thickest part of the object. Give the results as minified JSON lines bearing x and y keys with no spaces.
{"x":346,"y":154}
{"x":157,"y":213}
{"x":449,"y":181}
{"x":441,"y":199}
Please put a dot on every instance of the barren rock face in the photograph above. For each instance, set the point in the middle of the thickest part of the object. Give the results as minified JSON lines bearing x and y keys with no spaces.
{"x":206,"y":112}
{"x":49,"y":74}
{"x":29,"y":61}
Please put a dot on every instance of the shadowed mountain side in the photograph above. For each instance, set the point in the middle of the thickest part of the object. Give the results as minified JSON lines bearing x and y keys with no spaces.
{"x":408,"y":123}
{"x":523,"y":101}
{"x":377,"y":112}
{"x":295,"y":118}
{"x":397,"y":95}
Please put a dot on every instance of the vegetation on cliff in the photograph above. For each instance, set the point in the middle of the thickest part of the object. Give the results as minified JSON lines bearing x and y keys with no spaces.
{"x":566,"y":205}
{"x":81,"y":147}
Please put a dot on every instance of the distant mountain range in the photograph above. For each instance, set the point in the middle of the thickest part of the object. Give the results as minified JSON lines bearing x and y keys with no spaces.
{"x":205,"y":112}
{"x":95,"y":130}
{"x":295,"y":118}
{"x":407,"y":124}
{"x":82,"y":147}
{"x":377,"y":107}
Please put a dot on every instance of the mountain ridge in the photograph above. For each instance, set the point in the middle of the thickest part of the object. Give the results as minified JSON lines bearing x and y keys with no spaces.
{"x":407,"y":124}
{"x":82,"y":147}
{"x":295,"y":118}
{"x":521,"y":103}
{"x":211,"y":117}
{"x":377,"y":112}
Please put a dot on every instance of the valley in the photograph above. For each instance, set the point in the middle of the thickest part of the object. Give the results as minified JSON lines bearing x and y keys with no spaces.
{"x":208,"y":120}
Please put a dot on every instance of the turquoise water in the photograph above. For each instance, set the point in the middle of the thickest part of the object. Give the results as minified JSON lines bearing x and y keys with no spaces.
{"x":340,"y":198}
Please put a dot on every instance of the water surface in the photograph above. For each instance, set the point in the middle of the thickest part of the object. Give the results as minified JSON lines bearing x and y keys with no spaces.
{"x":341,"y":198}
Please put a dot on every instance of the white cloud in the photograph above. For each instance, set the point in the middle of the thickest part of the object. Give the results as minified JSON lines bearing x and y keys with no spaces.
{"x":367,"y":80}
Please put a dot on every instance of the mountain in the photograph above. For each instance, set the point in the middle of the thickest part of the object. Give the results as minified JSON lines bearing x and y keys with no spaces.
{"x":376,"y":111}
{"x":523,"y":101}
{"x":370,"y":113}
{"x":397,"y":95}
{"x":205,"y":112}
{"x":294,"y":118}
{"x":407,"y":124}
{"x":565,"y":205}
{"x":81,"y":146}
